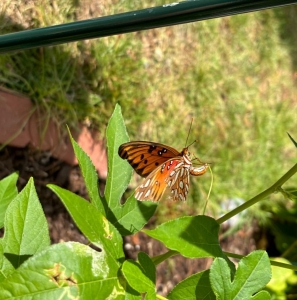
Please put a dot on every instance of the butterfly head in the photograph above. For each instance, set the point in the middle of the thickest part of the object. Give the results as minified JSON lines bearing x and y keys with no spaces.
{"x":185,"y":152}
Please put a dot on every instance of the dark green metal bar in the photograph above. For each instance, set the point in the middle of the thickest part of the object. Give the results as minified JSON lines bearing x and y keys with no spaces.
{"x":166,"y":15}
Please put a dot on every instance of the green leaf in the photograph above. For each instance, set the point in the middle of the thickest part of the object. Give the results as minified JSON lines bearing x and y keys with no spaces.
{"x":93,"y":225}
{"x":90,"y":176}
{"x":221,"y":279}
{"x":131,"y":294}
{"x":263,"y":295}
{"x":194,"y":287}
{"x":252,"y":275}
{"x":148,"y":266}
{"x":191,"y":236}
{"x":63,"y":271}
{"x":26,"y":230}
{"x":119,"y":171}
{"x":133,"y":215}
{"x":141,"y":275}
{"x":293,"y":141}
{"x":5,"y":266}
{"x":8,"y":190}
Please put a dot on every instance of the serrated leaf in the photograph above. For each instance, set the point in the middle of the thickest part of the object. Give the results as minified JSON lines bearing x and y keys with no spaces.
{"x":252,"y":275}
{"x":139,"y":275}
{"x":8,"y":190}
{"x":119,"y":171}
{"x":93,"y":225}
{"x":26,"y":230}
{"x":191,"y":236}
{"x":221,"y":279}
{"x":194,"y":287}
{"x":133,"y":215}
{"x":63,"y":271}
{"x":90,"y":176}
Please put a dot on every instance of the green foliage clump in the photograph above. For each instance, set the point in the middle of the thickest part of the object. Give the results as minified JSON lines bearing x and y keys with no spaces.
{"x":30,"y":267}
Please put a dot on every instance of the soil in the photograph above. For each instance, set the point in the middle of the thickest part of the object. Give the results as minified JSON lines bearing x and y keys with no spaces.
{"x":46,"y":169}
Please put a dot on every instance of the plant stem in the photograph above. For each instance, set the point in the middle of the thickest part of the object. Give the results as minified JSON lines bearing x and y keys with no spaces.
{"x":160,"y":258}
{"x":259,"y":197}
{"x":290,"y":249}
{"x":160,"y":297}
{"x":210,"y":188}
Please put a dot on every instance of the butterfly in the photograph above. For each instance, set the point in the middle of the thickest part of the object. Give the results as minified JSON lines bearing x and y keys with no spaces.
{"x":163,"y":166}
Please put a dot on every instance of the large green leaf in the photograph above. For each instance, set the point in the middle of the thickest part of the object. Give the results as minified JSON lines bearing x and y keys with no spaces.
{"x":90,"y":176}
{"x":133,"y":215}
{"x":6,"y":267}
{"x":119,"y":171}
{"x":141,"y":275}
{"x":8,"y":190}
{"x":194,"y":287}
{"x":252,"y":275}
{"x":26,"y":230}
{"x":63,"y":271}
{"x":191,"y":236}
{"x":93,"y":225}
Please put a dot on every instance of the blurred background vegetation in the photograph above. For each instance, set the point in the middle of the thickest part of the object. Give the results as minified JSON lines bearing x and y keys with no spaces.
{"x":236,"y":76}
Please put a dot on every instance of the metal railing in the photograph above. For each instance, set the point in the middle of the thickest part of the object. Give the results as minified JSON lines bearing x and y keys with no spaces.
{"x":166,"y":15}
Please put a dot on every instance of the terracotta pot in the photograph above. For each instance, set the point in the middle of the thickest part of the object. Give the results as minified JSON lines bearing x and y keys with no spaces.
{"x":22,"y":125}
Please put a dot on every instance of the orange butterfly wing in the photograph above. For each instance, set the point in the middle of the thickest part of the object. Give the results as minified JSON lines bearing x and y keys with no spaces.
{"x":163,"y":167}
{"x":145,"y":157}
{"x":173,"y":174}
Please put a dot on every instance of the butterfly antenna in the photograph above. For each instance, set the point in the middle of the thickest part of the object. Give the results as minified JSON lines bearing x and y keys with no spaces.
{"x":189,"y":134}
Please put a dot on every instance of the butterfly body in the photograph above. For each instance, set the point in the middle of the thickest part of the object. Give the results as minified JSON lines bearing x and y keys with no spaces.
{"x":163,"y":167}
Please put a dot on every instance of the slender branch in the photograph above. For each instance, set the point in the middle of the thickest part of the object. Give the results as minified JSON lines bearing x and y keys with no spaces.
{"x":160,"y":297}
{"x":259,"y":197}
{"x":209,"y":191}
{"x":160,"y":258}
{"x":230,"y":254}
{"x":290,"y":249}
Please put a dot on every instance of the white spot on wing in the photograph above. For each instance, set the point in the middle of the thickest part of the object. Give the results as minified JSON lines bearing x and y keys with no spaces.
{"x":179,"y":165}
{"x":147,"y":183}
{"x":176,"y":176}
{"x":182,"y":172}
{"x":147,"y":193}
